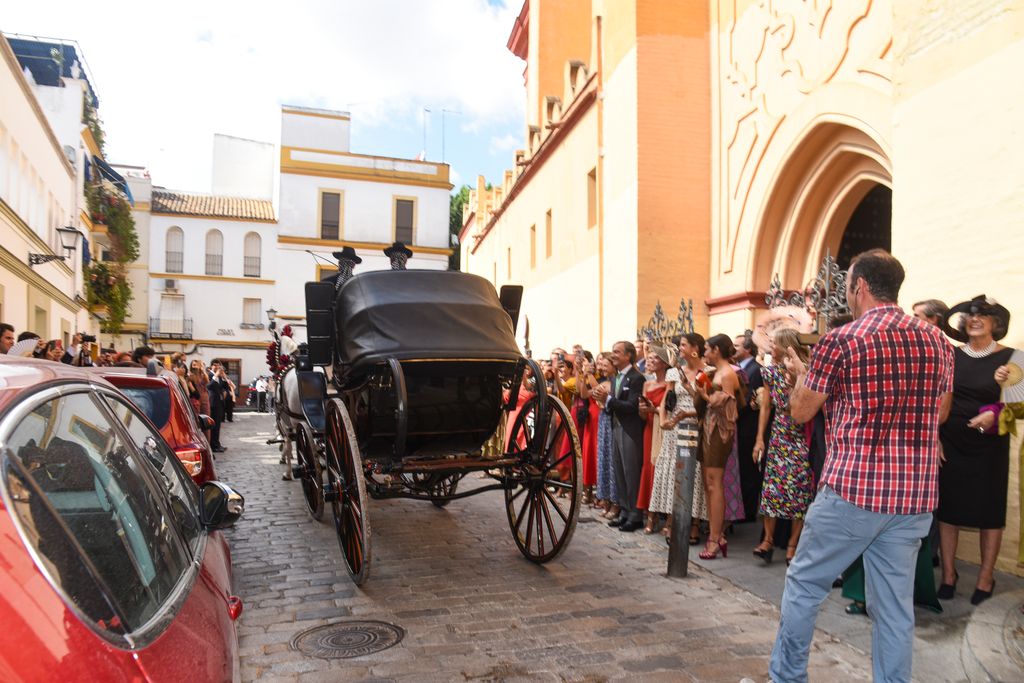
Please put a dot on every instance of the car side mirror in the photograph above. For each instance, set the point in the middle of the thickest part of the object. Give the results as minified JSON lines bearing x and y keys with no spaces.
{"x":206,"y":422}
{"x":220,"y":506}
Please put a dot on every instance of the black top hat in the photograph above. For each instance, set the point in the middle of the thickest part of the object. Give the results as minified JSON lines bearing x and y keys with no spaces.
{"x":979,"y":305}
{"x":398,"y":248}
{"x":347,"y":254}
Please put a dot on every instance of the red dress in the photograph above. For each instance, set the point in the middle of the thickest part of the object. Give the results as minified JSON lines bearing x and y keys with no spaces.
{"x":643,"y":498}
{"x":590,"y":445}
{"x":524,"y":396}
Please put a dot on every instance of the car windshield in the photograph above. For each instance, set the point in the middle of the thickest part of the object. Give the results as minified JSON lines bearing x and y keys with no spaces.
{"x":154,"y":401}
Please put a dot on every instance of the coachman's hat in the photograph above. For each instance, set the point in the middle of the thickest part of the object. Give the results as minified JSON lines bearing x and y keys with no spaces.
{"x":398,"y":248}
{"x":347,"y":254}
{"x":979,"y":305}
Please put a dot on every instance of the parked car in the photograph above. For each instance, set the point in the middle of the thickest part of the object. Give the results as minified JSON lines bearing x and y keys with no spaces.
{"x":164,"y":401}
{"x":112,"y":565}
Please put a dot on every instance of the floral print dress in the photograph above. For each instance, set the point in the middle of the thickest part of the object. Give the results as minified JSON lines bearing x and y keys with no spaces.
{"x":788,"y":488}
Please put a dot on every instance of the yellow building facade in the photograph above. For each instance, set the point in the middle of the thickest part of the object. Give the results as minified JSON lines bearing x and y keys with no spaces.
{"x":697,"y":150}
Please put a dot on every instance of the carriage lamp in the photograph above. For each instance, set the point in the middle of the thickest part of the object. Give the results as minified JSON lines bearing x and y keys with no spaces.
{"x":271,"y":313}
{"x":68,"y":241}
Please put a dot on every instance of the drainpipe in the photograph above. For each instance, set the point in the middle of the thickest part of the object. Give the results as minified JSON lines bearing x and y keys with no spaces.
{"x":600,"y":182}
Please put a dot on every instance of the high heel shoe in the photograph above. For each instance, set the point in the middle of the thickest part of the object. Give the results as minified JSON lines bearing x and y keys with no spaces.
{"x":724,"y":545}
{"x":790,"y":553}
{"x":708,"y":553}
{"x":948,"y":590}
{"x":765,"y":553}
{"x":651,"y":521}
{"x":981,"y":596}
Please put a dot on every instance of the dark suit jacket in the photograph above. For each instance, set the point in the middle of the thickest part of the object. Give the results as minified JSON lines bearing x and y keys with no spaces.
{"x":216,"y":389}
{"x":625,"y":408}
{"x":754,"y":382}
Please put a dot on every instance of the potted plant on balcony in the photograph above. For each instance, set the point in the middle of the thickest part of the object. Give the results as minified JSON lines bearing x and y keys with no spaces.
{"x":106,"y":282}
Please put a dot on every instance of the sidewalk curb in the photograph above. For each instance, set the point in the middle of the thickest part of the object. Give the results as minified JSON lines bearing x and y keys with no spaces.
{"x":987,"y":651}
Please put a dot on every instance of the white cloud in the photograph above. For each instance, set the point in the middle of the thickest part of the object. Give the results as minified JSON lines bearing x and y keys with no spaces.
{"x":168,"y":77}
{"x":505,"y":143}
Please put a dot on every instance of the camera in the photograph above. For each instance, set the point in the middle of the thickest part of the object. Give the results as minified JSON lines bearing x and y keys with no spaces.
{"x":561,"y":357}
{"x":89,"y":338}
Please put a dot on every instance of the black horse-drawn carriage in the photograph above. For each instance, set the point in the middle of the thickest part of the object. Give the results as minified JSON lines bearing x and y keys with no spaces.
{"x":422,"y":368}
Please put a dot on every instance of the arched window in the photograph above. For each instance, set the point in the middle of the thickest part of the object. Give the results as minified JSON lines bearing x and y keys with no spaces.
{"x":251,"y":260}
{"x":175,"y":250}
{"x":214,"y":253}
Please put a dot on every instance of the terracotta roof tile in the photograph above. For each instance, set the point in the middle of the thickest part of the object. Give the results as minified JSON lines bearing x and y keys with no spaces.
{"x":189,"y":204}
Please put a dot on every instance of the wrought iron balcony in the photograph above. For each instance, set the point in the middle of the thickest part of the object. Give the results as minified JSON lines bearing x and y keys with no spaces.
{"x":251,"y":266}
{"x":175,"y":261}
{"x":170,"y":328}
{"x":214,"y":264}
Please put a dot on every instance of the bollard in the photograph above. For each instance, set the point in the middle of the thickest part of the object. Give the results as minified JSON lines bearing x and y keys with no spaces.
{"x":682,"y":507}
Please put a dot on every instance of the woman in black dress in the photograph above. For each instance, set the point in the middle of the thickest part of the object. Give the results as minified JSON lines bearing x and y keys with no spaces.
{"x":973,"y":479}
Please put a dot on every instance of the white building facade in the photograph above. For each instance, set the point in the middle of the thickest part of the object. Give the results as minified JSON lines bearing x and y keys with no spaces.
{"x":211,"y":278}
{"x":40,"y":196}
{"x":215,"y":264}
{"x":331,"y":197}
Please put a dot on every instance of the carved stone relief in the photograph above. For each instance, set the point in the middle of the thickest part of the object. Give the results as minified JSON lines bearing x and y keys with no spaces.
{"x":771,"y":58}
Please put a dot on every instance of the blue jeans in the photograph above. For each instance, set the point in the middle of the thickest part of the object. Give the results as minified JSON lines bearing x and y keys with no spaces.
{"x":835,"y":533}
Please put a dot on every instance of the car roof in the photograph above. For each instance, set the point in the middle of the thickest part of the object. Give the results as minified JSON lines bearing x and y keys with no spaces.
{"x":19,"y":375}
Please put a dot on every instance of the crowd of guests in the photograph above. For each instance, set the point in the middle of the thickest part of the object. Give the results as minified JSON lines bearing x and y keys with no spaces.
{"x":211,"y":392}
{"x":880,"y":429}
{"x":641,"y":405}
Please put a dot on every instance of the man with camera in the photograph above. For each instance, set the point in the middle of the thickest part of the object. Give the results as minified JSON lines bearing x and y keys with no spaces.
{"x":79,"y":353}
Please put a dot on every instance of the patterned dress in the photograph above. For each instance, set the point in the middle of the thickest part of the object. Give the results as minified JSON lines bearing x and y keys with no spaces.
{"x":606,"y":489}
{"x":788,"y":483}
{"x":679,"y":441}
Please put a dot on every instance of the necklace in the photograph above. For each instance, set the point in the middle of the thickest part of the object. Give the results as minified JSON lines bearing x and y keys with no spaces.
{"x":987,"y":351}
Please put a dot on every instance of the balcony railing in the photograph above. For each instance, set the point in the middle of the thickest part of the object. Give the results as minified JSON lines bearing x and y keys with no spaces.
{"x":170,"y":328}
{"x":251,"y":266}
{"x":175,"y":261}
{"x":214,"y":264}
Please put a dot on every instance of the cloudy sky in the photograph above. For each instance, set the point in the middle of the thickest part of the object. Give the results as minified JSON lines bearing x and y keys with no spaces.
{"x":170,"y":75}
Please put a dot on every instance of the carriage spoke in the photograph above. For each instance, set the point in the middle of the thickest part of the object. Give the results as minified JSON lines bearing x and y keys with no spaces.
{"x":558,"y":508}
{"x":558,"y":462}
{"x":540,"y":531}
{"x":547,"y":520}
{"x":529,"y":522}
{"x":522,"y":511}
{"x":518,"y":493}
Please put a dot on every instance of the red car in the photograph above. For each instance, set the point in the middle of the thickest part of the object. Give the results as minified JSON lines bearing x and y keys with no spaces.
{"x":112,"y":565}
{"x":162,"y":399}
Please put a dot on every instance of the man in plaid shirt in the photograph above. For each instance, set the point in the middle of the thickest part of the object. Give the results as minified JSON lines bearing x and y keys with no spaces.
{"x":884,"y":381}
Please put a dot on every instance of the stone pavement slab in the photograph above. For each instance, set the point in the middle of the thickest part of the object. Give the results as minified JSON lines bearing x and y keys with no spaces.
{"x":473,"y":609}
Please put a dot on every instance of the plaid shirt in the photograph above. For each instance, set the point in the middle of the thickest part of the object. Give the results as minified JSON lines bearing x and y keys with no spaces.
{"x":884,"y":374}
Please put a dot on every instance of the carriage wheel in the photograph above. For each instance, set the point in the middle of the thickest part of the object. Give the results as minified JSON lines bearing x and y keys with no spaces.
{"x":346,"y":492}
{"x":311,"y":472}
{"x":543,"y":505}
{"x":445,"y":487}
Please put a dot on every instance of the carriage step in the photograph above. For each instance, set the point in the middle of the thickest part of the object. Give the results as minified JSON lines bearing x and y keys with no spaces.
{"x":271,"y":442}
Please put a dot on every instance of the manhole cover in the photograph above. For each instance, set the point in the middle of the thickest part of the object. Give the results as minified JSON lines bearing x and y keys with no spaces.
{"x":347,"y":639}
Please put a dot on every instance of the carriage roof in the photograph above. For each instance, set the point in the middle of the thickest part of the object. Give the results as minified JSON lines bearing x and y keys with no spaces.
{"x":421,"y":314}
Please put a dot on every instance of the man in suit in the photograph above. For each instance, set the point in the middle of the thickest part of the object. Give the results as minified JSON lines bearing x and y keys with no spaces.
{"x":217,"y":388}
{"x":746,"y":426}
{"x":623,"y":403}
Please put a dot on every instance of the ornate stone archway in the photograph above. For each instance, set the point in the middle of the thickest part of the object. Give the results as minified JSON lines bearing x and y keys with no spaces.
{"x":828,"y":173}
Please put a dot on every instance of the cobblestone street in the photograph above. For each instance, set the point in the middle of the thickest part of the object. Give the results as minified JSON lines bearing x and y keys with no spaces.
{"x":472,"y":608}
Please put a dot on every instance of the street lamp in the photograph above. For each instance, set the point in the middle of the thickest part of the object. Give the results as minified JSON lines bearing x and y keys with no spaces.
{"x":68,"y":241}
{"x":271,"y":313}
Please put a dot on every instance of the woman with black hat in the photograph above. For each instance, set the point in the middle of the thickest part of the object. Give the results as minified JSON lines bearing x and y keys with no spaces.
{"x":974,"y":477}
